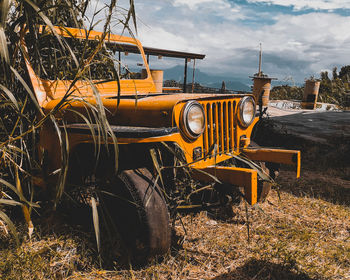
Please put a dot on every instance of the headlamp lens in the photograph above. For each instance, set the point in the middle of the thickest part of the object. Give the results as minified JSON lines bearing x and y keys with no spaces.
{"x":193,"y":119}
{"x":247,"y":111}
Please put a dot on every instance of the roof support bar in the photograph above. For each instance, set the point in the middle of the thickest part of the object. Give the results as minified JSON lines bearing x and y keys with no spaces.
{"x":193,"y":73}
{"x":185,"y":76}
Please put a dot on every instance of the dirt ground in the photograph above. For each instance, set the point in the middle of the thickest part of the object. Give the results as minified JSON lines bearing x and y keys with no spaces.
{"x":302,"y":231}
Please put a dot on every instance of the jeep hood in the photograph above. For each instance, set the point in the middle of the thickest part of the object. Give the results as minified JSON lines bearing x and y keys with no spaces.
{"x":145,"y":111}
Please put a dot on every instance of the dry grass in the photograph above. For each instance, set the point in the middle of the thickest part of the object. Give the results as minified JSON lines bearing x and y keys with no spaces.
{"x":303,"y":235}
{"x":300,"y":236}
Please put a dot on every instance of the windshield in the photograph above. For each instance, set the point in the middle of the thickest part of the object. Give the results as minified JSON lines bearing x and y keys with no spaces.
{"x":57,"y":63}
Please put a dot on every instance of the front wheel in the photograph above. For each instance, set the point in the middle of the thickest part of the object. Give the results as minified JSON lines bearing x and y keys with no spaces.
{"x":137,"y":208}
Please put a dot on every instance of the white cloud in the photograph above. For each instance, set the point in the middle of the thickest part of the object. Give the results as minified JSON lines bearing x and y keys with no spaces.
{"x":161,"y":38}
{"x":293,"y":45}
{"x":297,"y":45}
{"x":195,"y":3}
{"x":221,"y":8}
{"x":308,"y":4}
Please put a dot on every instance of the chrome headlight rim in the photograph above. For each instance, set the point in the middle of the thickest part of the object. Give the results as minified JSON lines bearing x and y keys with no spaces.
{"x":241,"y":105}
{"x":185,"y":127}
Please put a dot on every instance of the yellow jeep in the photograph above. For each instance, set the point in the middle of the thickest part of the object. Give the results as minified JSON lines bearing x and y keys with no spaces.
{"x":156,"y":132}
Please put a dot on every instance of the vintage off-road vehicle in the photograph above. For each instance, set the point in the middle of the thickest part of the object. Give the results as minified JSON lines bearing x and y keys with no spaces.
{"x":157,"y":133}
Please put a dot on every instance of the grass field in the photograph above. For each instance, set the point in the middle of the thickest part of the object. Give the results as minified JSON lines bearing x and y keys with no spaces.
{"x":302,"y":231}
{"x":302,"y":235}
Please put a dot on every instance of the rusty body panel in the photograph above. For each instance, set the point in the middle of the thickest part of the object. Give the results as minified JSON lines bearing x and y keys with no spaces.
{"x":156,"y":117}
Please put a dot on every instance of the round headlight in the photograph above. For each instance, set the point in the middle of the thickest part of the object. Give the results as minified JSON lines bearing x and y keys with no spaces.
{"x":247,"y":111}
{"x":193,"y":119}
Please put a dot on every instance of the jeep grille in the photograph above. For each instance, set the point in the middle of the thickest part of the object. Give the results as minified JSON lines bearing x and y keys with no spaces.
{"x":220,"y":127}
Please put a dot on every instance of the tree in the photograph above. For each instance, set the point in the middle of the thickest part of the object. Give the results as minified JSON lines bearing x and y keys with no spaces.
{"x":344,"y":73}
{"x":334,"y":73}
{"x":331,"y":91}
{"x":324,"y":75}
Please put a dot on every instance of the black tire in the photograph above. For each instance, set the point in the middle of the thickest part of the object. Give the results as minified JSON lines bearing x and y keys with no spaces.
{"x":140,"y":214}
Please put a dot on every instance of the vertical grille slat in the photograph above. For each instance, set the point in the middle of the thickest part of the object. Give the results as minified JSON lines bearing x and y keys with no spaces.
{"x":232,"y":107}
{"x":227,"y":131}
{"x":206,"y":131}
{"x":216,"y":124}
{"x":219,"y":129}
{"x":222,"y":128}
{"x":211,"y":128}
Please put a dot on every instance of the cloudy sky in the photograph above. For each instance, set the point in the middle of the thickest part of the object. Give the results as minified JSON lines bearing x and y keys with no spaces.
{"x":299,"y":37}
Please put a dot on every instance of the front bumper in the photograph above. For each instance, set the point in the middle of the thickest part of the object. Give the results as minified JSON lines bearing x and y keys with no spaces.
{"x":206,"y":167}
{"x":248,"y":178}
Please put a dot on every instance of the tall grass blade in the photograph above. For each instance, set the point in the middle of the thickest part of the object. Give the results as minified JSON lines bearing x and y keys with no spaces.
{"x":96,"y":223}
{"x":25,"y":85}
{"x":10,"y":96}
{"x":156,"y":164}
{"x":256,"y":167}
{"x":3,"y":45}
{"x":11,"y":226}
{"x":106,"y":128}
{"x":10,"y":202}
{"x":20,"y":20}
{"x":87,"y":121}
{"x":49,"y":23}
{"x":25,"y":209}
{"x":64,"y":161}
{"x":248,"y":221}
{"x":4,"y":8}
{"x":133,"y":13}
{"x":10,"y":186}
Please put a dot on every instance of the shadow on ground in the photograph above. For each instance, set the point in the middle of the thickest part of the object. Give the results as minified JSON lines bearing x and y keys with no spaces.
{"x":332,"y":153}
{"x":328,"y":187}
{"x":264,"y":270}
{"x":325,"y":165}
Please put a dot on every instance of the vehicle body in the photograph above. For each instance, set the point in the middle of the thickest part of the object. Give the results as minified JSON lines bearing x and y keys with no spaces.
{"x":207,"y":129}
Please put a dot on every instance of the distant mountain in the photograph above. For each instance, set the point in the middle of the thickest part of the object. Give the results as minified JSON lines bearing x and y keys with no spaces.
{"x":232,"y":85}
{"x":177,"y":73}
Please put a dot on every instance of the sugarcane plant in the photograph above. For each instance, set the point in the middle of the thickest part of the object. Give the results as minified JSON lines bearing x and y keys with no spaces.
{"x":21,"y":118}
